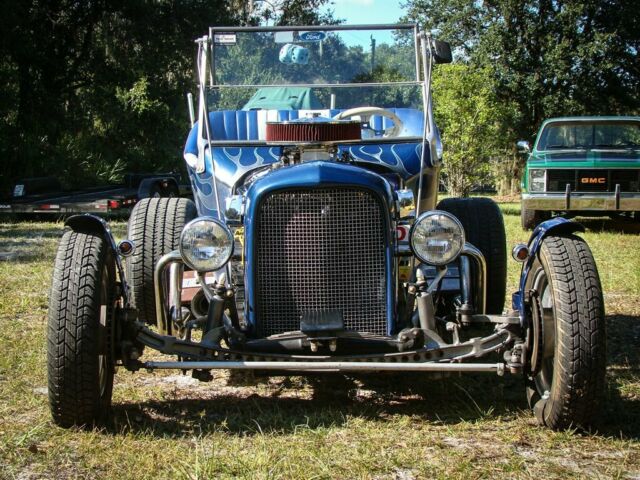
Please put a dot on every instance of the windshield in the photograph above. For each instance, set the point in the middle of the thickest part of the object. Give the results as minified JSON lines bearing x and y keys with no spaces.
{"x":314,"y":57}
{"x":328,"y":71}
{"x":593,"y":135}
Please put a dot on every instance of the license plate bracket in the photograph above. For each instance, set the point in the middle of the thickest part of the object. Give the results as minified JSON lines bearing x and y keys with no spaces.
{"x":321,"y":322}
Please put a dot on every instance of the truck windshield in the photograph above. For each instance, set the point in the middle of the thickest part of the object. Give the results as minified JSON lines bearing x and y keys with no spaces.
{"x":613,"y":134}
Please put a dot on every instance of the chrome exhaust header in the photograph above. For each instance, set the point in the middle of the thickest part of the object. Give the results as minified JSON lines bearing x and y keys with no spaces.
{"x":173,"y":260}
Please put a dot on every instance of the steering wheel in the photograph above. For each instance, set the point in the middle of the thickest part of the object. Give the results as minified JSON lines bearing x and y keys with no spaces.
{"x":365,"y":113}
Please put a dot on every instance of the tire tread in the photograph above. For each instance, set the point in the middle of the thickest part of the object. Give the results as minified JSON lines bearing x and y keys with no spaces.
{"x":72,"y":332}
{"x":484,"y":228}
{"x":154,"y":226}
{"x":581,"y":336}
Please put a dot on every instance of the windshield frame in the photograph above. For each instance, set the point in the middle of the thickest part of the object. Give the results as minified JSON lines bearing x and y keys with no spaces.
{"x":205,"y":62}
{"x":309,"y":28}
{"x":425,"y":58}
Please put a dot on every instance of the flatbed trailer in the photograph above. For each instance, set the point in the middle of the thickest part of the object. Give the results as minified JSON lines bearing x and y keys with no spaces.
{"x":45,"y":196}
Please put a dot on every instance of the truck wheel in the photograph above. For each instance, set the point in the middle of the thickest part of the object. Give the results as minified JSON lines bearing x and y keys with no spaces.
{"x":530,"y":218}
{"x":154,"y":226}
{"x":81,"y":307}
{"x":484,"y":228}
{"x":567,"y":338}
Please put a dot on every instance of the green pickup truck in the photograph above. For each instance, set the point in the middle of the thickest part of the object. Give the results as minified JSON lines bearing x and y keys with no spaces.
{"x":582,"y":166}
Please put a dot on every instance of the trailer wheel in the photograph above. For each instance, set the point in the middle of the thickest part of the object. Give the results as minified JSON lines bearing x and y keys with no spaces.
{"x":154,"y":226}
{"x":484,"y":228}
{"x":81,"y":307}
{"x":567,"y":338}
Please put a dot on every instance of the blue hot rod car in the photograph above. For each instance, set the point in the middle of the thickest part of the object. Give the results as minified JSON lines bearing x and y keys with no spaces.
{"x":316,"y":242}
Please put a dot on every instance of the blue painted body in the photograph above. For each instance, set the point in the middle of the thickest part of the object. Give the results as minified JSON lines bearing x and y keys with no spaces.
{"x":234,"y":163}
{"x":553,"y":226}
{"x":310,"y":175}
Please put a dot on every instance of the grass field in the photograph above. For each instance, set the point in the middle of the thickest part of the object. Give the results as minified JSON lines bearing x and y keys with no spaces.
{"x":376,"y":426}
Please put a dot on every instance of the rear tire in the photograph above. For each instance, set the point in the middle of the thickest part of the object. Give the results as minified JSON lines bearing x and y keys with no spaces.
{"x":529,"y":219}
{"x":565,"y":387}
{"x":484,"y":229}
{"x":81,"y":307}
{"x":154,"y":226}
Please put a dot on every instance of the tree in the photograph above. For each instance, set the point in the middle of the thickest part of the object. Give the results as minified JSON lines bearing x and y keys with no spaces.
{"x":545,"y":57}
{"x":94,"y":88}
{"x":466,"y":113}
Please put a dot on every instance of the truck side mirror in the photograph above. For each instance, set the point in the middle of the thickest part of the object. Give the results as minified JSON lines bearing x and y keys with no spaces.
{"x":523,"y":146}
{"x":442,"y":51}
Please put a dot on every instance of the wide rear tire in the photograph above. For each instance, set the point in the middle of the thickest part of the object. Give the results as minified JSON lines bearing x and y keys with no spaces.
{"x":568,"y":357}
{"x":155,"y":226}
{"x":81,"y":307}
{"x":484,"y":229}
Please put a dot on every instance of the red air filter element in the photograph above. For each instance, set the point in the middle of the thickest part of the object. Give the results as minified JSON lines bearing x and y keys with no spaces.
{"x":313,"y":132}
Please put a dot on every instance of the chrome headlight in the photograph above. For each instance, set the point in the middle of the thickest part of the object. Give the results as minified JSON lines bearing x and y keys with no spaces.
{"x":206,"y":244}
{"x":437,"y":237}
{"x":537,"y":180}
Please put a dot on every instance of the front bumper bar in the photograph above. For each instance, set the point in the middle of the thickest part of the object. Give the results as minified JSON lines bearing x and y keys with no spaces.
{"x":450,"y":357}
{"x":580,"y":201}
{"x":331,"y":366}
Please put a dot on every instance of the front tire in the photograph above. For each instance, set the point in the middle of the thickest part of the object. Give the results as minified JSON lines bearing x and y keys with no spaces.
{"x":567,"y":363}
{"x":81,"y":307}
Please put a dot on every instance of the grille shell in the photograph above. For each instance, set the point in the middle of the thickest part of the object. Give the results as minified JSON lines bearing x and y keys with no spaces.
{"x":321,"y":249}
{"x":628,"y":179}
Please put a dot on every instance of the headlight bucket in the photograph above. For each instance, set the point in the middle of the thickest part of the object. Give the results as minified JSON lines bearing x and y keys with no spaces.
{"x":537,"y":180}
{"x":437,"y":237}
{"x":206,"y":244}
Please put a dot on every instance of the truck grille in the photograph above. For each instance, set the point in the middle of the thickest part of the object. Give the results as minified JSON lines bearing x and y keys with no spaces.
{"x":603,"y":180}
{"x":318,"y":250}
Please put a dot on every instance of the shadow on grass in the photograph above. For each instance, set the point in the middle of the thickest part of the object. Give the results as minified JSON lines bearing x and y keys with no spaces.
{"x":511,"y":210}
{"x":332,"y":400}
{"x":24,"y":232}
{"x":24,"y":245}
{"x":621,"y":412}
{"x":611,"y":225}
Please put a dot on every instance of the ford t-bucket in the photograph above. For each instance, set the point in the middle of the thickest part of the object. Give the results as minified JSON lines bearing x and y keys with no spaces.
{"x":316,"y":243}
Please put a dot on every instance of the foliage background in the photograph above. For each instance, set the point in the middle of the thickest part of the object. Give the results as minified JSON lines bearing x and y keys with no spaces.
{"x":96,"y":88}
{"x":537,"y":59}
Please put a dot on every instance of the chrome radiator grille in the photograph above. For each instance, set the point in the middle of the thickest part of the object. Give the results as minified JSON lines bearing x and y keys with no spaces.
{"x":317,"y":250}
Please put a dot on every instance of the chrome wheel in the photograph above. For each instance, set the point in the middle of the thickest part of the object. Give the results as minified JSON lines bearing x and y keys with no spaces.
{"x":103,"y":366}
{"x":544,"y":319}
